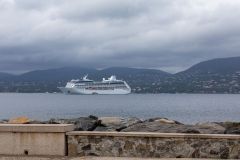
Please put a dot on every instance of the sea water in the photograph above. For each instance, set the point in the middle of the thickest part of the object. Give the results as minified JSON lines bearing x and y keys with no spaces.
{"x":186,"y":108}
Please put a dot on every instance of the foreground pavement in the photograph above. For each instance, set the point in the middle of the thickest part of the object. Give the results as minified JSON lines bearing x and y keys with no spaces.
{"x":89,"y":158}
{"x":125,"y":158}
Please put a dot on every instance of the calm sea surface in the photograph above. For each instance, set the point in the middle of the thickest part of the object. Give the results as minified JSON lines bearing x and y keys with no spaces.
{"x":187,"y":108}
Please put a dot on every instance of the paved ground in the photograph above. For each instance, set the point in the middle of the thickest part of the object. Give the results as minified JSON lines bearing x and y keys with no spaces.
{"x":32,"y":158}
{"x":87,"y":158}
{"x":111,"y":158}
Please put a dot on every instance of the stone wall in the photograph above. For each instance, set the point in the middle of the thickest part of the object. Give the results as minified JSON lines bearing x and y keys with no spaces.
{"x":162,"y":145}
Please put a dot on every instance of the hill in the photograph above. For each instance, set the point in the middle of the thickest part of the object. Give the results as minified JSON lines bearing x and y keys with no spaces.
{"x":57,"y":74}
{"x":48,"y":80}
{"x":213,"y":76}
{"x":215,"y":66}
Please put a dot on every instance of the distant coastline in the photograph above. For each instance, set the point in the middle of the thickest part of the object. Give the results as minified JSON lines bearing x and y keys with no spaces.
{"x":213,"y":76}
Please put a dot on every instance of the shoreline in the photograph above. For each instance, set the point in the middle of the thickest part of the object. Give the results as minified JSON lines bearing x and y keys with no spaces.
{"x":134,"y":124}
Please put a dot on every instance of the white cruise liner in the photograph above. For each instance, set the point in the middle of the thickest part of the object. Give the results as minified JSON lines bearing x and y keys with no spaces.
{"x":87,"y":86}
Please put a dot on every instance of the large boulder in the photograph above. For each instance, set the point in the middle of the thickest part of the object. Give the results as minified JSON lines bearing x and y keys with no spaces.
{"x":231,"y":127}
{"x":19,"y":120}
{"x":162,"y":120}
{"x":81,"y":123}
{"x":211,"y":127}
{"x":4,"y":121}
{"x":116,"y":123}
{"x":232,"y":131}
{"x":159,"y":126}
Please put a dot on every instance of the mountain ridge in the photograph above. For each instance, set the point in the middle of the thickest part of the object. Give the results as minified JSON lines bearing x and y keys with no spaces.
{"x":223,"y":65}
{"x":78,"y":72}
{"x":220,"y":75}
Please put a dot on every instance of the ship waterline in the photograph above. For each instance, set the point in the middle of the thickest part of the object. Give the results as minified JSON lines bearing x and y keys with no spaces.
{"x":87,"y":86}
{"x":93,"y":91}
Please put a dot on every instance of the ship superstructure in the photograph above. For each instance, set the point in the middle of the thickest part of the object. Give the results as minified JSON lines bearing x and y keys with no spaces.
{"x":87,"y":86}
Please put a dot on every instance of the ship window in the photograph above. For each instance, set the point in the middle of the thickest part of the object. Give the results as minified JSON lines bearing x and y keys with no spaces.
{"x":116,"y":83}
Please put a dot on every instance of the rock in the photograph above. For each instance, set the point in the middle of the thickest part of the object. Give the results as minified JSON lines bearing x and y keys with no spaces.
{"x":162,"y":120}
{"x":58,"y":121}
{"x":231,"y":127}
{"x":152,"y":127}
{"x":86,"y":124}
{"x":131,"y":121}
{"x":232,"y":131}
{"x":211,"y":126}
{"x":191,"y":130}
{"x":102,"y":128}
{"x":19,"y":120}
{"x":4,"y":121}
{"x":117,"y":123}
{"x":155,"y":126}
{"x":107,"y":121}
{"x":81,"y":123}
{"x":36,"y":122}
{"x":93,"y":117}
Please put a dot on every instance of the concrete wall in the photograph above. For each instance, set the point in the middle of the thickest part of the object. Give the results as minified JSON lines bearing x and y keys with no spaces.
{"x":161,"y":145}
{"x":36,"y":139}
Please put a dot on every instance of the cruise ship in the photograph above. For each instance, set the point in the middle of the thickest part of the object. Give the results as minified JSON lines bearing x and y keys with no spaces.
{"x":87,"y":86}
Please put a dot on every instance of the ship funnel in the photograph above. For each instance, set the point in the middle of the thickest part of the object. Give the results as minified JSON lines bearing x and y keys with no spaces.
{"x":85,"y":77}
{"x":113,"y":78}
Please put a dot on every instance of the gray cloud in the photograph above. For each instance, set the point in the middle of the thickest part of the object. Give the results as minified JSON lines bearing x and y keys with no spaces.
{"x":169,"y":35}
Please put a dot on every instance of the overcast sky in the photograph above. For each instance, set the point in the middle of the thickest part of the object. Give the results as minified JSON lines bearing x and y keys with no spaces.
{"x":163,"y":34}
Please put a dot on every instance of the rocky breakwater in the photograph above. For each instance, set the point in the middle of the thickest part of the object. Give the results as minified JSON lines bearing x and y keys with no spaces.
{"x":133,"y":124}
{"x":159,"y":124}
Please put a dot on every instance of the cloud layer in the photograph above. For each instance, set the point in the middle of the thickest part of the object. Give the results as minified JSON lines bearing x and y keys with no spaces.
{"x":170,"y":35}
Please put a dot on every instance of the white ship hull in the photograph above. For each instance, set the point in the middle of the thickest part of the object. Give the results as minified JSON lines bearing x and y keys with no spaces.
{"x":87,"y":86}
{"x":86,"y":91}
